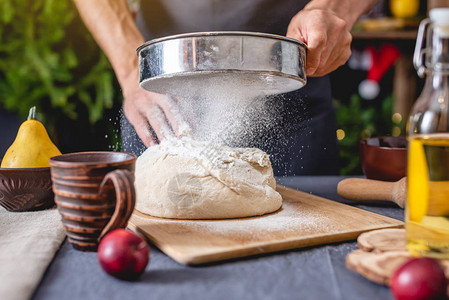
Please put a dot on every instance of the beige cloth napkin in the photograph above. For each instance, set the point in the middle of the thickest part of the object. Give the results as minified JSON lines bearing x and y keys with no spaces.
{"x":28,"y":243}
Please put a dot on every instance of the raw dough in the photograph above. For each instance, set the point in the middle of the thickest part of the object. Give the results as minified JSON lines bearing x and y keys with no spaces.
{"x":188,"y":179}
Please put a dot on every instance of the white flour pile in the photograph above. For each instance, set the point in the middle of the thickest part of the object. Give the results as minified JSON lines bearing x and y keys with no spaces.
{"x":188,"y":179}
{"x":286,"y":223}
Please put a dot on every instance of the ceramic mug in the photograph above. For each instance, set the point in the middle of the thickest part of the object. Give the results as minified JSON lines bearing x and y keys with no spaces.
{"x":94,"y":194}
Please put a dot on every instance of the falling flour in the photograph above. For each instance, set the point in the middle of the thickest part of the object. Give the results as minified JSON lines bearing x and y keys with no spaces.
{"x":232,"y":110}
{"x":238,"y":113}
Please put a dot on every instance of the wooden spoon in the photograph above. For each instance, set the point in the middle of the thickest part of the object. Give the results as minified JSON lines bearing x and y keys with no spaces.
{"x":359,"y":189}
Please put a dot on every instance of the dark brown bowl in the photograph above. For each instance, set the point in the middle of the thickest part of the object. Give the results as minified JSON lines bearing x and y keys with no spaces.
{"x":26,"y":189}
{"x":384,"y":158}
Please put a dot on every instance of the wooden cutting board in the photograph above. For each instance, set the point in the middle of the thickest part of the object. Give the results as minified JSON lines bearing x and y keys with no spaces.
{"x":304,"y":220}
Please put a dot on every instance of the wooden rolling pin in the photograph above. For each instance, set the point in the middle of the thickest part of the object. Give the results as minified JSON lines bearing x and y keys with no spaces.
{"x":359,"y":189}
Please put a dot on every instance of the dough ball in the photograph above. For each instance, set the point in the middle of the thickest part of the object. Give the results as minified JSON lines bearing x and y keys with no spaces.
{"x":188,"y":179}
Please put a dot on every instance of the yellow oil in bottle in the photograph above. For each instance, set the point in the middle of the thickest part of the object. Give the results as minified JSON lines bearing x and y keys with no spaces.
{"x":427,"y":210}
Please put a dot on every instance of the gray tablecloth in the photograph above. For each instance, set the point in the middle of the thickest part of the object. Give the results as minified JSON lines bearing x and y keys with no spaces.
{"x":312,"y":273}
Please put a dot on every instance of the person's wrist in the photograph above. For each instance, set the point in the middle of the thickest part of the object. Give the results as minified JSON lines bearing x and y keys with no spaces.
{"x":320,"y":5}
{"x":128,"y":80}
{"x":347,"y":10}
{"x":127,"y":74}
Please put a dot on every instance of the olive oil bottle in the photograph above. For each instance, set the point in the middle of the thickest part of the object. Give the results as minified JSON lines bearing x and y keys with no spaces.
{"x":427,"y":209}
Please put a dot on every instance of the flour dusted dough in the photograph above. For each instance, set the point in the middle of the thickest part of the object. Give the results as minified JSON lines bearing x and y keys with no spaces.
{"x":188,"y":179}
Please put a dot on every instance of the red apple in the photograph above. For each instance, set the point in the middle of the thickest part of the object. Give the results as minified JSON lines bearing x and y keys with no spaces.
{"x":419,"y":279}
{"x":123,"y":254}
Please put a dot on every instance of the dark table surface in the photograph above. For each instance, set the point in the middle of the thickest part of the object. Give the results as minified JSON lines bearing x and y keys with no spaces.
{"x":311,"y":273}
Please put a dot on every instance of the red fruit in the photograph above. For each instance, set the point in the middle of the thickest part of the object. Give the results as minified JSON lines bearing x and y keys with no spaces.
{"x":123,"y":254}
{"x":419,"y":279}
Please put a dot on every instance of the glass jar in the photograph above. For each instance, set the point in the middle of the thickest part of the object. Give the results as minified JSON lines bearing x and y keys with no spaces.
{"x":427,"y":210}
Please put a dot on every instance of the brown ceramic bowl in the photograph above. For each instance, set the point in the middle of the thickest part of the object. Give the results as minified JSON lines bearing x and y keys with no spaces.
{"x":26,"y":189}
{"x":384,"y":158}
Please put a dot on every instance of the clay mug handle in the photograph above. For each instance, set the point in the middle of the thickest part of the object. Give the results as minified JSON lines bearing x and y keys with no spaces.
{"x":123,"y":182}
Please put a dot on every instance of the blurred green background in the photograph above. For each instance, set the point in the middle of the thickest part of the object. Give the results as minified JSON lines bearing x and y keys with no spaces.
{"x":48,"y":59}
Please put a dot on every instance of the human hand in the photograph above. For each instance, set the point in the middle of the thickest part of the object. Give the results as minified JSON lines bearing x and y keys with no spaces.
{"x":143,"y":108}
{"x":327,"y":37}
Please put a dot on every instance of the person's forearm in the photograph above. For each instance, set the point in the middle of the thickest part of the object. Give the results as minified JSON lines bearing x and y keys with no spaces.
{"x":348,"y":10}
{"x":114,"y":29}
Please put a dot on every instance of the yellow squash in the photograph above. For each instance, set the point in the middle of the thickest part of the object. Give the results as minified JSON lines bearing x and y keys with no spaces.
{"x":32,"y":147}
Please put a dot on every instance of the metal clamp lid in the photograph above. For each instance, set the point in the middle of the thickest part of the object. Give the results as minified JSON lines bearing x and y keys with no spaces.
{"x":437,"y":28}
{"x":419,"y":51}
